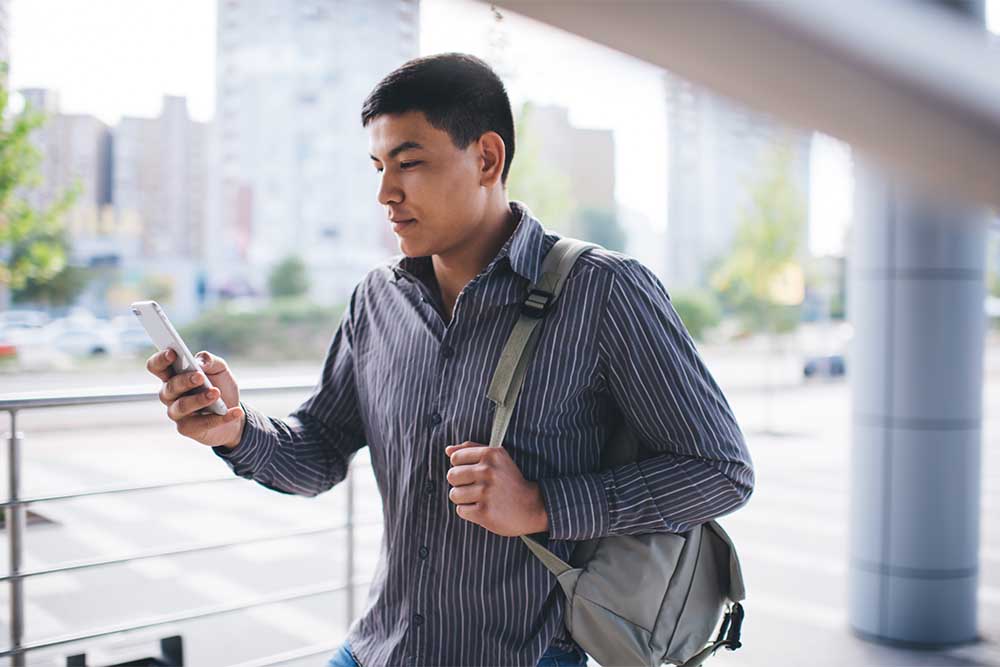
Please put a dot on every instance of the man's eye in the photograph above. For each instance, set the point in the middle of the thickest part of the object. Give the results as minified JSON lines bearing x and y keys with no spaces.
{"x":378,"y":170}
{"x":407,"y":165}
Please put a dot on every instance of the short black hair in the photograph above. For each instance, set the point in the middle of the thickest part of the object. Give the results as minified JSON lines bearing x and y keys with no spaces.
{"x":458,"y":93}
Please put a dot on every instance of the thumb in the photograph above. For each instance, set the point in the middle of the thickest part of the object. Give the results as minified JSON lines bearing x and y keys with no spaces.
{"x":210,"y":363}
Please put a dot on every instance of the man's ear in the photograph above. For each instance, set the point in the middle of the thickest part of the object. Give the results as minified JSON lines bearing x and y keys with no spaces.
{"x":492,"y":154}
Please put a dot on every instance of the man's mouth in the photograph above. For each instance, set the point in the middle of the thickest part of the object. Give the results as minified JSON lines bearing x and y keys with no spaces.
{"x":400,"y":224}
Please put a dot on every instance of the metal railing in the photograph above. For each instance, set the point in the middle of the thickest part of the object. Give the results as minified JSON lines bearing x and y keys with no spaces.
{"x":15,"y":513}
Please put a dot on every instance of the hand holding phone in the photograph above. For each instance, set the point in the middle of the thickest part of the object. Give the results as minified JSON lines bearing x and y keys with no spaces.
{"x":197,"y":393}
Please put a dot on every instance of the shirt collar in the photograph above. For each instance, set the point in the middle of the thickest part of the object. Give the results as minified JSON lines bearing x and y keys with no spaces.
{"x":523,"y":250}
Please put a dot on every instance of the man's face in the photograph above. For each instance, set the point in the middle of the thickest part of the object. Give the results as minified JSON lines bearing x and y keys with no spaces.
{"x":424,"y":177}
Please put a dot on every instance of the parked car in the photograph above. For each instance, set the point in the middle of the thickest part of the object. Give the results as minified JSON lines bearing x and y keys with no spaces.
{"x":23,"y":317}
{"x":84,"y":342}
{"x":831,"y":365}
{"x":80,"y":334}
{"x":132,"y":338}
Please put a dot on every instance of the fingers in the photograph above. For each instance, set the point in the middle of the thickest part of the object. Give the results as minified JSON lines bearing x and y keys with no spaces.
{"x":159,"y":364}
{"x":188,"y":405}
{"x":197,"y":425}
{"x":465,"y":495}
{"x":180,"y":384}
{"x":467,"y":453}
{"x":469,"y":474}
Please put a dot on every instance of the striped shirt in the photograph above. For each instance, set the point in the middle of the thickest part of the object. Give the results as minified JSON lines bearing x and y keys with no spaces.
{"x":404,"y":380}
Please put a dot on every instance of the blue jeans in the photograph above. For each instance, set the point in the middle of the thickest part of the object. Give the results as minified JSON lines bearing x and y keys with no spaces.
{"x":553,"y":657}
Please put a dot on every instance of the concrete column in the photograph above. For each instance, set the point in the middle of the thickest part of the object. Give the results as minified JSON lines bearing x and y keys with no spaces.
{"x":916,"y":300}
{"x":916,"y":294}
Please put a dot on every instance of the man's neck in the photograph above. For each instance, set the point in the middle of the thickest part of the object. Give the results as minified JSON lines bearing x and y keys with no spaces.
{"x":455,"y":270}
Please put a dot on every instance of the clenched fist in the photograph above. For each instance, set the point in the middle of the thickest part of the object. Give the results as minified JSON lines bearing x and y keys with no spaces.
{"x":488,"y":489}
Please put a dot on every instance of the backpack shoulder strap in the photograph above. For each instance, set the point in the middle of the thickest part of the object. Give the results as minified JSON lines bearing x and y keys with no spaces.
{"x":509,"y":374}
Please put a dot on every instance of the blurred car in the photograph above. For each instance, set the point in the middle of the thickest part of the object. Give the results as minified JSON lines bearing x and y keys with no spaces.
{"x":832,"y":365}
{"x":84,"y":342}
{"x":131,"y":336}
{"x":23,"y":318}
{"x":80,"y":334}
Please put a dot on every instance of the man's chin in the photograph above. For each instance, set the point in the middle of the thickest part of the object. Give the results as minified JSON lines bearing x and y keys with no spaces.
{"x":411,"y":249}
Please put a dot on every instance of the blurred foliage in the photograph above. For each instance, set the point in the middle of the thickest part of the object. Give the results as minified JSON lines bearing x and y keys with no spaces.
{"x":546,"y":191}
{"x":61,"y":289}
{"x":599,"y":225}
{"x":32,"y":245}
{"x":760,"y":277}
{"x":284,"y":329}
{"x":288,"y":278}
{"x":699,"y":310}
{"x":157,"y":288}
{"x":993,"y":263}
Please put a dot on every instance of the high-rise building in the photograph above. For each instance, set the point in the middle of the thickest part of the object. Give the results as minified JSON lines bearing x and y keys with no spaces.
{"x":159,"y":182}
{"x":76,"y":152}
{"x":586,"y":156}
{"x":716,"y":151}
{"x":288,"y":149}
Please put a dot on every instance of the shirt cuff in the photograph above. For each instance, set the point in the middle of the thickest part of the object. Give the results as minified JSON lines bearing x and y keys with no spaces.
{"x":577,"y":506}
{"x":255,"y":446}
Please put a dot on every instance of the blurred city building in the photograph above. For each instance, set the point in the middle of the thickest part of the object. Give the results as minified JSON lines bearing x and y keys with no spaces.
{"x":140,"y":208}
{"x":716,"y":149}
{"x":586,"y":156}
{"x":289,"y":153}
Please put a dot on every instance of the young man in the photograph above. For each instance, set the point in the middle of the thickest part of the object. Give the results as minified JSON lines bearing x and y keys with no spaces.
{"x":407,"y":371}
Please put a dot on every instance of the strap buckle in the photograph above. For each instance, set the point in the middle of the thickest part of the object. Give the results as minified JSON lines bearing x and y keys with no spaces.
{"x":536,"y":304}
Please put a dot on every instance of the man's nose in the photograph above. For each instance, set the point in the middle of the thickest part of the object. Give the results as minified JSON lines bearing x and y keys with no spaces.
{"x":388,"y":191}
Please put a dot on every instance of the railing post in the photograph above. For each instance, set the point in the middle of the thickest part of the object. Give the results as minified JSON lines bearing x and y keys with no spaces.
{"x":15,"y":532}
{"x":350,"y":547}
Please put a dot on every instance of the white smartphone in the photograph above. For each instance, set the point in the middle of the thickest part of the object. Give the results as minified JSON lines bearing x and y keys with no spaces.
{"x":164,"y":336}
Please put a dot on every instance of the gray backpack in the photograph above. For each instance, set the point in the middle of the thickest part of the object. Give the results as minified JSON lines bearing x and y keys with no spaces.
{"x":631,"y":599}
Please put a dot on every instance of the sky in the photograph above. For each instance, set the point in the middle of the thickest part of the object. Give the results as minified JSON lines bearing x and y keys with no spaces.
{"x":119,"y":57}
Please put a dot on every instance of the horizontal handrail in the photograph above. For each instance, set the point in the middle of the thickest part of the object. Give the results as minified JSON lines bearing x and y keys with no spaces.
{"x":100,"y":491}
{"x":190,"y":549}
{"x":132,"y":394}
{"x":14,"y":507}
{"x":107,"y":490}
{"x":202,"y":612}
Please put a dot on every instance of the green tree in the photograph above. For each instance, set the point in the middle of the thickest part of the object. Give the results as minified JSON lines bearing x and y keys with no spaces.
{"x":698,"y":309}
{"x":62,"y":289}
{"x":531,"y":180}
{"x":599,"y":225}
{"x":157,"y":288}
{"x":762,"y":277}
{"x":32,"y":246}
{"x":288,"y":278}
{"x":993,"y":263}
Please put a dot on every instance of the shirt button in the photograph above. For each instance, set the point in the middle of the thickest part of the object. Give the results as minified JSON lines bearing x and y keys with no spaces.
{"x":446,"y":351}
{"x":418,"y":620}
{"x":423,"y":553}
{"x":429,"y":487}
{"x":436,"y":418}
